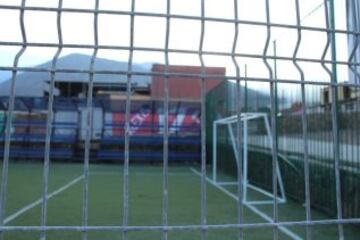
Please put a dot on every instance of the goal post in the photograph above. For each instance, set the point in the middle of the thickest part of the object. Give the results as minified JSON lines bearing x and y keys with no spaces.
{"x":245,"y":118}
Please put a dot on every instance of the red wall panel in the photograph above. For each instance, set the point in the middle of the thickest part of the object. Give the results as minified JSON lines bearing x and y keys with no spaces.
{"x":183,"y":87}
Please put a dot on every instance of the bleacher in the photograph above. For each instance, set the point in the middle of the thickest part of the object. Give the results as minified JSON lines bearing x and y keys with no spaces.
{"x":28,"y":129}
{"x":146,"y":137}
{"x":28,"y":132}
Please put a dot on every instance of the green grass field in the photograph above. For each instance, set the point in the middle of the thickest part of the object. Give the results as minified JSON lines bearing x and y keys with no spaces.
{"x":145,"y":203}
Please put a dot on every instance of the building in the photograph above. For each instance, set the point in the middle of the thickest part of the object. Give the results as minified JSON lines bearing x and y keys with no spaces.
{"x":183,"y":86}
{"x":108,"y":111}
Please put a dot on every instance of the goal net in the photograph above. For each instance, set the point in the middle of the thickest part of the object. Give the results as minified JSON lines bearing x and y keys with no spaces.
{"x":229,"y":124}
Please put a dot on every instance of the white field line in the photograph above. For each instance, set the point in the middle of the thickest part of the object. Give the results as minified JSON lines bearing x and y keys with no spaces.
{"x":285,"y":230}
{"x":39,"y":201}
{"x":266,"y":193}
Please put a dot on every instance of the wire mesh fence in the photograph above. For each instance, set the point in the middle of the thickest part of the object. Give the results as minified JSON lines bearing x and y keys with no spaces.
{"x":314,"y":135}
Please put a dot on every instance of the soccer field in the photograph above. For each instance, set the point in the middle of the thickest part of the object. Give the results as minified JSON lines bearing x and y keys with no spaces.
{"x":23,"y":206}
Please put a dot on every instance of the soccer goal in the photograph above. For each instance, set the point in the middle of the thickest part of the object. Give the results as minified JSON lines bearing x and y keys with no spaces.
{"x":229,"y":123}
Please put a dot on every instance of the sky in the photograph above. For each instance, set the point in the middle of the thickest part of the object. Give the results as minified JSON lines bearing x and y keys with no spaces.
{"x":184,"y":34}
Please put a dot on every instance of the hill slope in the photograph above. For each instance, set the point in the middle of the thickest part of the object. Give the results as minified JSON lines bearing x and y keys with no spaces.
{"x":33,"y":83}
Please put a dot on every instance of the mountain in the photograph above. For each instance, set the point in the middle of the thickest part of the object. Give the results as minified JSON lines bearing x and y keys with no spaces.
{"x":34,"y":83}
{"x":4,"y":75}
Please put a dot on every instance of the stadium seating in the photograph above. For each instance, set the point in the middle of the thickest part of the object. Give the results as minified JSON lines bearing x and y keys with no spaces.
{"x":28,"y":130}
{"x":28,"y":134}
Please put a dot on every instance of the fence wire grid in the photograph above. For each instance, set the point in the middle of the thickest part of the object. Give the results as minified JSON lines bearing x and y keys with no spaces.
{"x":328,"y":61}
